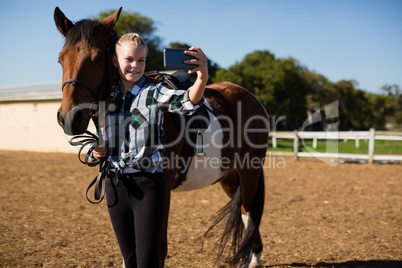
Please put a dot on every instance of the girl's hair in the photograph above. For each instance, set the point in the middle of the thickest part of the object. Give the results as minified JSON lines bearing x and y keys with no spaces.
{"x":132,"y":38}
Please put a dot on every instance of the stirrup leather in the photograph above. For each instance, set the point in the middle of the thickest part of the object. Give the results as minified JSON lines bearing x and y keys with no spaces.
{"x":199,"y":144}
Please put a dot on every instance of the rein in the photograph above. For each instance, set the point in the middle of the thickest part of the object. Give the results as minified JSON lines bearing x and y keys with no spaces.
{"x":90,"y":139}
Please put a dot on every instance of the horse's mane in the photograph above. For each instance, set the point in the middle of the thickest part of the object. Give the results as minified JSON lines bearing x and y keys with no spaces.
{"x":83,"y":30}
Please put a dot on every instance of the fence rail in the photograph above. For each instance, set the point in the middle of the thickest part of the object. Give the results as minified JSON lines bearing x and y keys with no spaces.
{"x":370,"y":135}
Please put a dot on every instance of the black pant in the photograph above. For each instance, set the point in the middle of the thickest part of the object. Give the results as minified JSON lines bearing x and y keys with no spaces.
{"x":136,"y":208}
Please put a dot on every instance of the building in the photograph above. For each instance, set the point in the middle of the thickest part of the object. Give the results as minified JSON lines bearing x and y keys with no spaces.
{"x":28,"y":119}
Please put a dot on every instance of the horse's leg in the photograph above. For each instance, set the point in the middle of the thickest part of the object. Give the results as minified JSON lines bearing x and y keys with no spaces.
{"x":251,"y":185}
{"x":256,"y":250}
{"x":253,"y":195}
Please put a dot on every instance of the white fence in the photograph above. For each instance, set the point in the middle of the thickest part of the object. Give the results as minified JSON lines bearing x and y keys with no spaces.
{"x":371,"y":136}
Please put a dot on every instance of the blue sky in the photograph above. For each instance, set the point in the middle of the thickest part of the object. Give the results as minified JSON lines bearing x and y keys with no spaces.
{"x":340,"y":39}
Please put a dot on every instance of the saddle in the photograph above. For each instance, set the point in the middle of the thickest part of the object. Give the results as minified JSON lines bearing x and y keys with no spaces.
{"x":199,"y":121}
{"x":193,"y":125}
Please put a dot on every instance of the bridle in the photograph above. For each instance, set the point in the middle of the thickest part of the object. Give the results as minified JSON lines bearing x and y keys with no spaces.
{"x":74,"y":82}
{"x":96,"y":95}
{"x":88,"y":138}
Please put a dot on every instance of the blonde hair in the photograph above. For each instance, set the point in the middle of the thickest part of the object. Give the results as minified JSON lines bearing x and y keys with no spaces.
{"x":132,"y":38}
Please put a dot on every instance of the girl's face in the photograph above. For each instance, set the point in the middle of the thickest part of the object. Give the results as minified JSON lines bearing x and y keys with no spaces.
{"x":130,"y":61}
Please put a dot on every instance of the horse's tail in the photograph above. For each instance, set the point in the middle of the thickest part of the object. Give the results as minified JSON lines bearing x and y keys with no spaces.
{"x":241,"y":245}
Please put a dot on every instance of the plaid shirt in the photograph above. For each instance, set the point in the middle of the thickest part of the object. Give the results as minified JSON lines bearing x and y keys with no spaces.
{"x":133,"y":129}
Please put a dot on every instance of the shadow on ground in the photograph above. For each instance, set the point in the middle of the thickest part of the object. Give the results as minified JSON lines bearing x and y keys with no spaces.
{"x":348,"y":264}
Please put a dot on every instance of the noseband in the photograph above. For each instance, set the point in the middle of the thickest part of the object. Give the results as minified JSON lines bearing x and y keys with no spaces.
{"x":74,"y":82}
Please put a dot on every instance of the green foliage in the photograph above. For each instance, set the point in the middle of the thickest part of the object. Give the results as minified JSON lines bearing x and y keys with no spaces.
{"x":382,"y":109}
{"x":357,"y":109}
{"x":394,"y":104}
{"x":322,"y":90}
{"x":354,"y":108}
{"x":277,"y":83}
{"x":144,"y":26}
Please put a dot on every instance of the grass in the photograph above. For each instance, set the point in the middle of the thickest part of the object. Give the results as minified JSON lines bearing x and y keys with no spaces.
{"x":340,"y":146}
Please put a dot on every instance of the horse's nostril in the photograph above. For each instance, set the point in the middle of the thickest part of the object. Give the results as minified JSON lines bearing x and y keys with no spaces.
{"x":78,"y":116}
{"x":75,"y":122}
{"x":60,"y":119}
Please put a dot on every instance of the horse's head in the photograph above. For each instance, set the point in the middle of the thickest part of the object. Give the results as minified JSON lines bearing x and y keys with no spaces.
{"x":87,"y":68}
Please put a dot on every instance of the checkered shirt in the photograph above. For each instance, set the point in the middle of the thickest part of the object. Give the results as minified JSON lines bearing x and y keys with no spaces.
{"x":133,"y":129}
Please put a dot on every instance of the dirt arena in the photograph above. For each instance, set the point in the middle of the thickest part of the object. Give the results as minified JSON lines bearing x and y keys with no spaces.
{"x":315,"y":216}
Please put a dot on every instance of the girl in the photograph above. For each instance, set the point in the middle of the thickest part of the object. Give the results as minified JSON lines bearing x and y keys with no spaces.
{"x":135,"y":187}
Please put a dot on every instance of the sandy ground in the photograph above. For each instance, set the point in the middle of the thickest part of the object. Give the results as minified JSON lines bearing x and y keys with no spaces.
{"x":315,"y":216}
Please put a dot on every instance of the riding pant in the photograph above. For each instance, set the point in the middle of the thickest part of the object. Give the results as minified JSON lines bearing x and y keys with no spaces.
{"x":136,"y":204}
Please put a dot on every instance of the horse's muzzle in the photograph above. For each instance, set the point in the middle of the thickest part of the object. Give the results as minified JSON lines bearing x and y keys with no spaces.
{"x":75,"y":122}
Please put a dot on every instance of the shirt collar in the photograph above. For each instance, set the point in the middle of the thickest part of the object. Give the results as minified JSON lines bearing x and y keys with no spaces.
{"x":136,"y":89}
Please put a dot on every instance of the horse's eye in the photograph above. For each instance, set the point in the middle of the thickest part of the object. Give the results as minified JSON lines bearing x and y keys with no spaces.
{"x":59,"y":58}
{"x":98,"y":57}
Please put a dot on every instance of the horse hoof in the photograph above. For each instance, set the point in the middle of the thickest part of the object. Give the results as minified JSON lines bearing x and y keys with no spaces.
{"x":255,"y":266}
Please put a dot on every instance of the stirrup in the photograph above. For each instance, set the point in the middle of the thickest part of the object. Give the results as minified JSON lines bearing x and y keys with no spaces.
{"x":199,"y":149}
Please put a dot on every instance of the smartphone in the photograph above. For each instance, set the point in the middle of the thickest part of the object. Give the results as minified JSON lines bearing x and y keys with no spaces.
{"x":174,"y":59}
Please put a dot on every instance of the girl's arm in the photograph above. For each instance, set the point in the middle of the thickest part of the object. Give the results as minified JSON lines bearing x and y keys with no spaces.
{"x":196,"y":91}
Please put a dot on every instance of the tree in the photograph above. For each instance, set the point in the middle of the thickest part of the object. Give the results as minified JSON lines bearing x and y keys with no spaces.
{"x":357,"y":109}
{"x":382,"y":107}
{"x":354,"y":108}
{"x":144,"y":26}
{"x":394,"y":107}
{"x":277,"y":83}
{"x":322,"y":90}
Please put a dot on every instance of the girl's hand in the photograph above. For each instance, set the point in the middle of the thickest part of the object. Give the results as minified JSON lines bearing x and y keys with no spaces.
{"x":199,"y":59}
{"x":99,"y":152}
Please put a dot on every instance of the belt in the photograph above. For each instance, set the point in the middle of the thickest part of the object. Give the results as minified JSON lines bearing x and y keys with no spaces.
{"x":112,"y":174}
{"x":128,"y":170}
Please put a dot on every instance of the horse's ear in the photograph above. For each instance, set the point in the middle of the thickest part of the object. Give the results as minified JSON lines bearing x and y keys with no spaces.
{"x":62,"y":23}
{"x":110,"y":21}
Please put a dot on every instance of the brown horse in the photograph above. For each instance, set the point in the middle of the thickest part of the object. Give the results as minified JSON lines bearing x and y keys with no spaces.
{"x":235,"y":141}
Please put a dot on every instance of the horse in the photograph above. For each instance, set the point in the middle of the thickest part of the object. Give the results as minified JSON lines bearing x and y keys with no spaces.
{"x":234,"y":143}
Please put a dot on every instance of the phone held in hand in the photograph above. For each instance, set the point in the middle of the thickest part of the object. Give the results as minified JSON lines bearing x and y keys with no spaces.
{"x":174,"y":59}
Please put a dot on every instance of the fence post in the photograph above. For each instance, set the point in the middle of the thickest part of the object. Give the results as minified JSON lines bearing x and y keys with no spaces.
{"x":274,"y":144}
{"x":296,"y":144}
{"x":371,"y":148}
